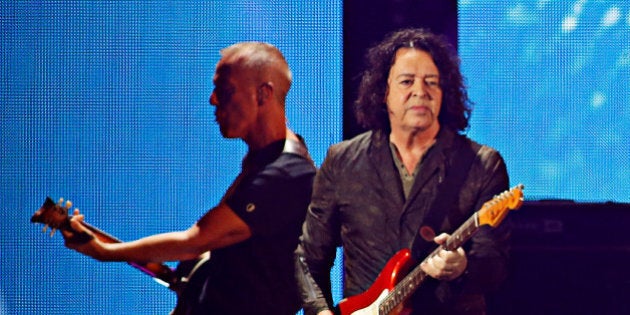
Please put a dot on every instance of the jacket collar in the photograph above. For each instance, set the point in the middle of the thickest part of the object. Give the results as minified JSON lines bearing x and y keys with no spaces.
{"x":434,"y":163}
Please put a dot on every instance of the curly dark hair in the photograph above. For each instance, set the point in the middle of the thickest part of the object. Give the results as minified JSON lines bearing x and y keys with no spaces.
{"x":369,"y":107}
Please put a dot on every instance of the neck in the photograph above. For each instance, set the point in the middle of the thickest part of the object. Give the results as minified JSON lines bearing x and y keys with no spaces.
{"x":414,"y":139}
{"x":269,"y":129}
{"x":411,"y":146}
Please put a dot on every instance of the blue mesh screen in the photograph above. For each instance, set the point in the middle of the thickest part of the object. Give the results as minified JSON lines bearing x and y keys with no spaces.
{"x":551,"y":82}
{"x":106,"y":103}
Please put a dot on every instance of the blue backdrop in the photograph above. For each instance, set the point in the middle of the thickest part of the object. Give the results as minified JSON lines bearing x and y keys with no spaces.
{"x":106,"y":103}
{"x":551,"y":80}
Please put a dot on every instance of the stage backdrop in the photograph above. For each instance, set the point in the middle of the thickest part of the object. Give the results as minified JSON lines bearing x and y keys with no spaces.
{"x":106,"y":103}
{"x":551,"y":82}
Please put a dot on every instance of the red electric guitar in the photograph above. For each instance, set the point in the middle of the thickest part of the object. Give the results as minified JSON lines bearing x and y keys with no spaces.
{"x":394,"y":285}
{"x":55,"y":216}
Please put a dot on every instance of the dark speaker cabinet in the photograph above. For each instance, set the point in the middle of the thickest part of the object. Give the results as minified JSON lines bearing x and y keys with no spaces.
{"x":567,"y":258}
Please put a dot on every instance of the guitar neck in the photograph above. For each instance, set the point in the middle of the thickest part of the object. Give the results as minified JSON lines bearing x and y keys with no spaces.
{"x":162,"y":273}
{"x":462,"y":234}
{"x":408,"y":285}
{"x":55,"y":215}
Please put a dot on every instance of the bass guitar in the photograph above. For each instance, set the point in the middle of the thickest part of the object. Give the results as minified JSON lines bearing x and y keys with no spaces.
{"x":395,"y":284}
{"x":55,"y":216}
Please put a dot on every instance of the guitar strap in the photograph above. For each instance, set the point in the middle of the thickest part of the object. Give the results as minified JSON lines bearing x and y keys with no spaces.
{"x":444,"y":204}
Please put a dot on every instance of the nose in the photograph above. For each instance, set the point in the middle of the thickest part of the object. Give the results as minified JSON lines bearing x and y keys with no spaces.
{"x":420,"y":89}
{"x":214,"y":100}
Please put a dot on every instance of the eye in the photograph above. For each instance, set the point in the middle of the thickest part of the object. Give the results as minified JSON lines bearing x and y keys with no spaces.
{"x":406,"y":82}
{"x":432,"y":82}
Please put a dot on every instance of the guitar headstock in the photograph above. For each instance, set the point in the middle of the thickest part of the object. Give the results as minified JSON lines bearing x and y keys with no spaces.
{"x":53,"y":215}
{"x":494,"y":211}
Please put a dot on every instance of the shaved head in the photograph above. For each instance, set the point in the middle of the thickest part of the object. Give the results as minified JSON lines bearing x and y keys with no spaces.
{"x":264,"y":62}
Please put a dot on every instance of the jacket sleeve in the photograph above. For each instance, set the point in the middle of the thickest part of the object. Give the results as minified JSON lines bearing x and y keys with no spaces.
{"x":488,"y":249}
{"x":315,"y":255}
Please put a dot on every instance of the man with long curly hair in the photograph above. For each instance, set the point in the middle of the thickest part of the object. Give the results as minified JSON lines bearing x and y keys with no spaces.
{"x":411,"y":176}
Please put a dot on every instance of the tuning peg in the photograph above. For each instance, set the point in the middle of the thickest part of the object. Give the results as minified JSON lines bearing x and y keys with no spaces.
{"x":45,"y":228}
{"x":68,"y":204}
{"x":52,"y":232}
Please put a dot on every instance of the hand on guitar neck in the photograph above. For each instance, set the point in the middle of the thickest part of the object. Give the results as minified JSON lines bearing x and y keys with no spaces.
{"x":446,"y":264}
{"x":78,"y":237}
{"x":87,"y":239}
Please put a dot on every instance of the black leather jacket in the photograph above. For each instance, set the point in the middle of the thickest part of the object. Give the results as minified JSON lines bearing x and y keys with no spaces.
{"x":358,"y":203}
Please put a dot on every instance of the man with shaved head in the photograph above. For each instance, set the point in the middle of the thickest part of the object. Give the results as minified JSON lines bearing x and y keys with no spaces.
{"x":252,"y":232}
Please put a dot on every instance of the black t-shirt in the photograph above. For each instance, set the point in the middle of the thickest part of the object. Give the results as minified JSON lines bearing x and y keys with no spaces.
{"x":257,"y":276}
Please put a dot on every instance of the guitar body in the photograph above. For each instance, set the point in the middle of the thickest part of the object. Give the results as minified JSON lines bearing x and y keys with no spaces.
{"x":192,"y":274}
{"x":368,"y":301}
{"x":399,"y":279}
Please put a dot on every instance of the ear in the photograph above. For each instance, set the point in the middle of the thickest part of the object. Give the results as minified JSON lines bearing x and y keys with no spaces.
{"x":264,"y":93}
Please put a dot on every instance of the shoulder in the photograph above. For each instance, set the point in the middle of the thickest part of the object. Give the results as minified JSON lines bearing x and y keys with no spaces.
{"x":357,"y":141}
{"x":489,"y":168}
{"x":356,"y":146}
{"x":487,"y":156}
{"x":484,"y":154}
{"x":289,"y":165}
{"x":487,"y":175}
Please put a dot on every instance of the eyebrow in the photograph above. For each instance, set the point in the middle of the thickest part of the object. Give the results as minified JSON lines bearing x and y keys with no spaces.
{"x":413,"y":75}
